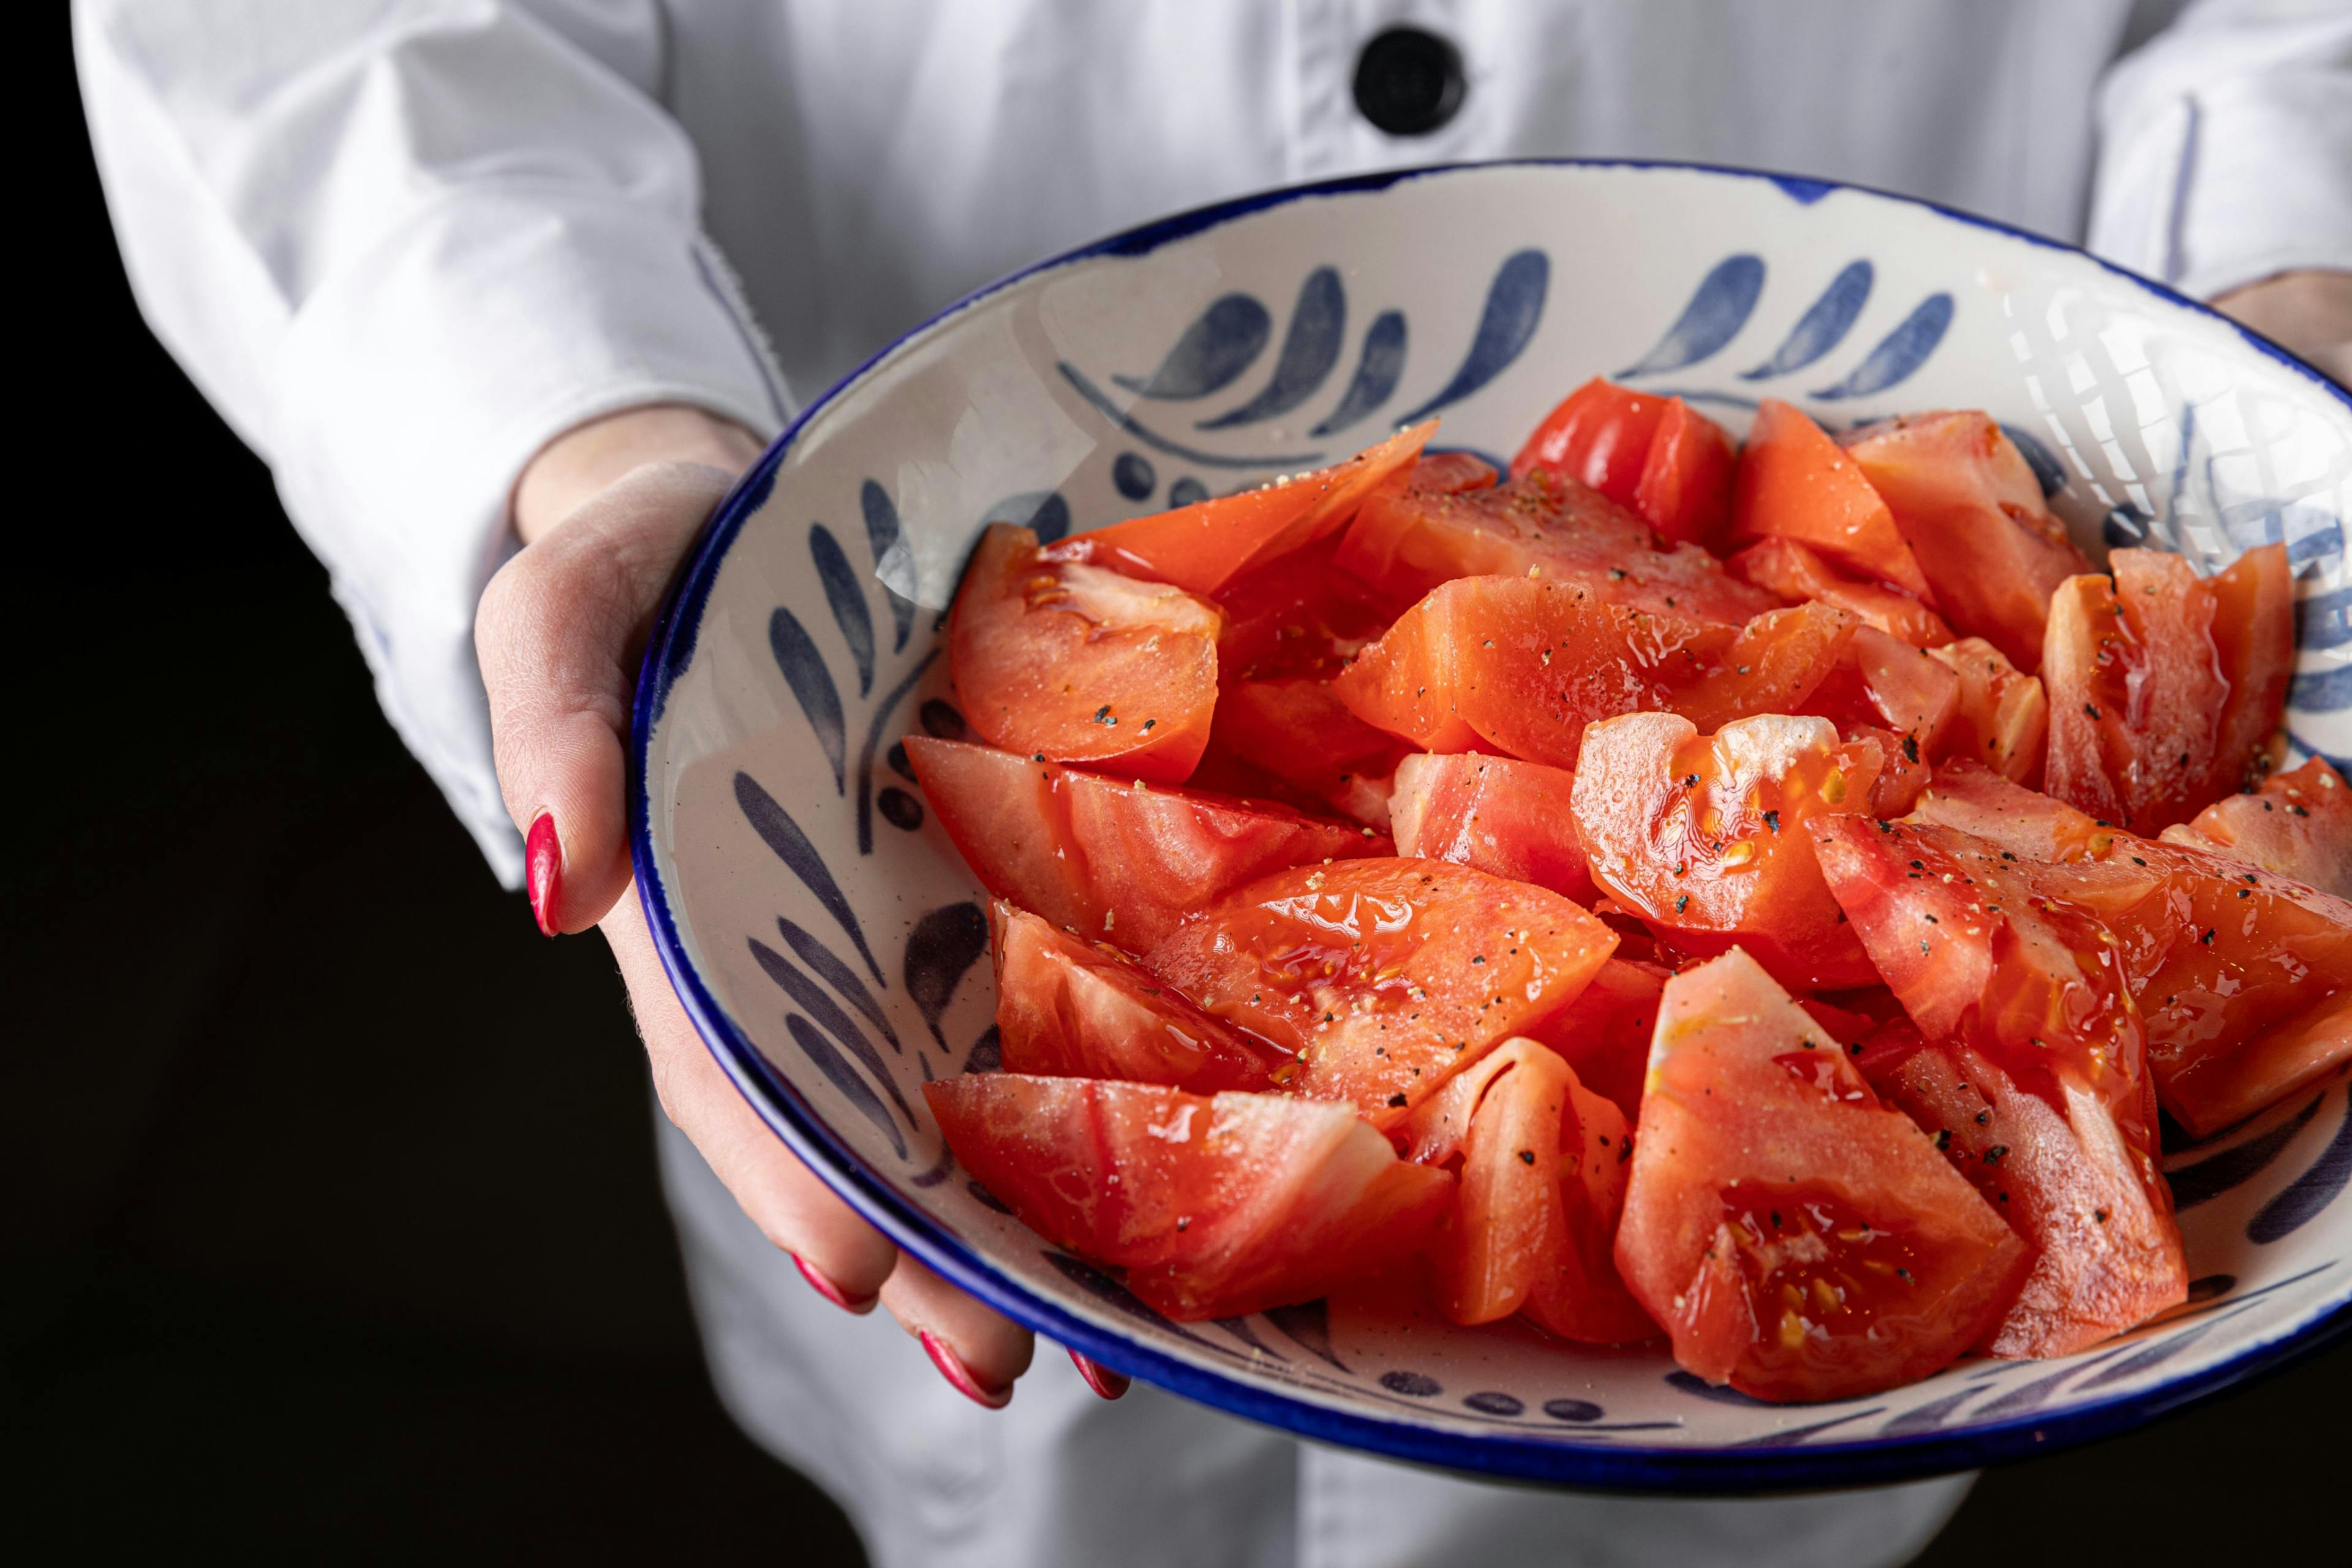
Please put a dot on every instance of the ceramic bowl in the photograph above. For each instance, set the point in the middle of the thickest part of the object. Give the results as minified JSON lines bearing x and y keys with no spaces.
{"x":829,"y":942}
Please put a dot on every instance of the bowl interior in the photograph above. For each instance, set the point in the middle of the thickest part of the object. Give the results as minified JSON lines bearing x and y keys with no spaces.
{"x":830,"y":943}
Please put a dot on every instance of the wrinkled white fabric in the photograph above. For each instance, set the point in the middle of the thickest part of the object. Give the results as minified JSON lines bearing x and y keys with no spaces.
{"x":401,"y":244}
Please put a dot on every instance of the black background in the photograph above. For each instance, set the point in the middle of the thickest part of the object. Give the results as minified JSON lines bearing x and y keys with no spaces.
{"x":331,"y":1221}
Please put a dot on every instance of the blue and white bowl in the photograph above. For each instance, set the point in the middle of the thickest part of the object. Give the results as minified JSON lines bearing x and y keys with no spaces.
{"x":829,"y":942}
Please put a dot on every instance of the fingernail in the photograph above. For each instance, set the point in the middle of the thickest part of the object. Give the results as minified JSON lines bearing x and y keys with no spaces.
{"x":951,"y":1367}
{"x":544,"y":862}
{"x":828,"y":1289}
{"x":1101,"y":1379}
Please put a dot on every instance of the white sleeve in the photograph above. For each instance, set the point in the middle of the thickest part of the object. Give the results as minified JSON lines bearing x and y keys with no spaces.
{"x":2226,"y":146}
{"x":401,"y":244}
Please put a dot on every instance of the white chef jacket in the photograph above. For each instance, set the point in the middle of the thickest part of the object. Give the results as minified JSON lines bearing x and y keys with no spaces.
{"x":401,"y":244}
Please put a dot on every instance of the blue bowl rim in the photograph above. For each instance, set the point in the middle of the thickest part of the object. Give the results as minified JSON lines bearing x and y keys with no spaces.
{"x":1553,"y":1458}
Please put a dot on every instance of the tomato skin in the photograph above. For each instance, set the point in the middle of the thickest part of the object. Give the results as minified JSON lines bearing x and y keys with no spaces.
{"x":1298,"y":731}
{"x":2297,"y":825}
{"x":1797,"y":573}
{"x":1492,"y":814}
{"x":1102,"y":856}
{"x":1081,"y":664}
{"x":1598,"y":436}
{"x":2106,"y":1256}
{"x":1300,"y":615}
{"x":1451,"y":472}
{"x":1967,"y":503}
{"x":1386,"y":976}
{"x":2000,"y":718}
{"x":1216,"y":1206}
{"x":1409,"y":541}
{"x":1687,"y":481}
{"x":2156,"y":712}
{"x":2254,"y":638}
{"x":1202,"y":547}
{"x":1519,"y":666}
{"x":1705,"y":838}
{"x":1603,"y":1034}
{"x":1750,"y":1131}
{"x":1067,"y":1007}
{"x":1776,"y":665}
{"x":1797,"y":483}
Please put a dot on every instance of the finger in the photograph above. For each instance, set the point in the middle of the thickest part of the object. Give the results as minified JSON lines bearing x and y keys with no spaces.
{"x":847,"y":1259}
{"x":558,"y":635}
{"x":975,"y":1347}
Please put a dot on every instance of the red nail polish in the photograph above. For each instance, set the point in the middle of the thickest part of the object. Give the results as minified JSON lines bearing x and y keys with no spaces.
{"x":832,"y":1292}
{"x":1101,"y":1379}
{"x":543,"y":871}
{"x":951,"y":1367}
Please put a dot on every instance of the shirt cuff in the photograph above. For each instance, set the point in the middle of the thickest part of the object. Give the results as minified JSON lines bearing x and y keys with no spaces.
{"x":415,"y":385}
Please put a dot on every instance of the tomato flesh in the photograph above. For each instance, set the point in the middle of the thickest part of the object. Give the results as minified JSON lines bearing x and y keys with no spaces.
{"x":1383,"y":977}
{"x":1796,"y":1239}
{"x":1215,"y":1205}
{"x":1797,"y":573}
{"x":1705,"y":836}
{"x":1797,"y":483}
{"x":1604,"y":1033}
{"x":1102,"y":856}
{"x":2155,"y":713}
{"x":1967,"y":505}
{"x":1409,"y":540}
{"x":1300,"y":732}
{"x":2296,"y":825}
{"x":1656,"y":456}
{"x":2001,"y":718}
{"x":1492,"y":814}
{"x":1202,"y":547}
{"x":1080,"y":664}
{"x":1301,"y":615}
{"x":1687,"y":481}
{"x":1067,"y":1007}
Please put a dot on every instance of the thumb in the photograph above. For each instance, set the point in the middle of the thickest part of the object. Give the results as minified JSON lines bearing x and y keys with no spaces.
{"x":559,"y":632}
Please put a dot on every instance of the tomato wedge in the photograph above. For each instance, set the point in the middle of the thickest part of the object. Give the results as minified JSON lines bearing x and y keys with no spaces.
{"x":1604,"y":1033}
{"x":2297,"y":825}
{"x":1409,"y":540}
{"x":1968,"y":504}
{"x":1492,"y":814}
{"x":1776,"y":665}
{"x":1884,"y":681}
{"x":1300,"y":732}
{"x":1202,"y":547}
{"x":1795,"y":573}
{"x":1669,"y":464}
{"x":1081,"y":665}
{"x":2105,"y":1257}
{"x":1449,"y":471}
{"x":1215,"y":1205}
{"x":1687,"y":478}
{"x":1797,"y":483}
{"x":1705,"y":836}
{"x":1796,"y":1239}
{"x":1102,"y":856}
{"x":2155,"y":711}
{"x":1301,"y":615}
{"x":1067,"y":1007}
{"x":2001,"y":718}
{"x":1384,"y":977}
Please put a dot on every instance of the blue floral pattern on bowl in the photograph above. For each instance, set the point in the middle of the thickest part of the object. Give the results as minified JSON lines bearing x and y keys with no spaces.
{"x":829,"y":942}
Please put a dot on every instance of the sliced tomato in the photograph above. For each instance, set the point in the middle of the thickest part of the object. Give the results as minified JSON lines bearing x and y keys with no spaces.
{"x":1797,"y":1239}
{"x":1884,"y":681}
{"x":2296,"y":825}
{"x":1904,"y":772}
{"x":1797,"y":483}
{"x":1409,"y":540}
{"x":2105,"y":1255}
{"x":1705,"y":836}
{"x":1067,"y":1007}
{"x":2253,"y":637}
{"x":1202,"y":547}
{"x":1301,"y":615}
{"x":2031,"y":826}
{"x":2149,"y":722}
{"x":2000,"y":718}
{"x":1797,"y":573}
{"x":1384,"y":977}
{"x":1598,"y":436}
{"x":1604,"y":1033}
{"x":1582,"y":1297}
{"x":1103,"y":856}
{"x":1298,"y":731}
{"x":1776,"y":665}
{"x":1215,"y":1205}
{"x":1968,"y":504}
{"x":1493,"y":814}
{"x":1082,"y":664}
{"x":1687,"y":481}
{"x":1450,"y":470}
{"x":1520,"y":666}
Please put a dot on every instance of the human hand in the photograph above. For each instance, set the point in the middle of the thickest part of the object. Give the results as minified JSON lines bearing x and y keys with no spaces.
{"x":606,"y":512}
{"x":2307,"y":312}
